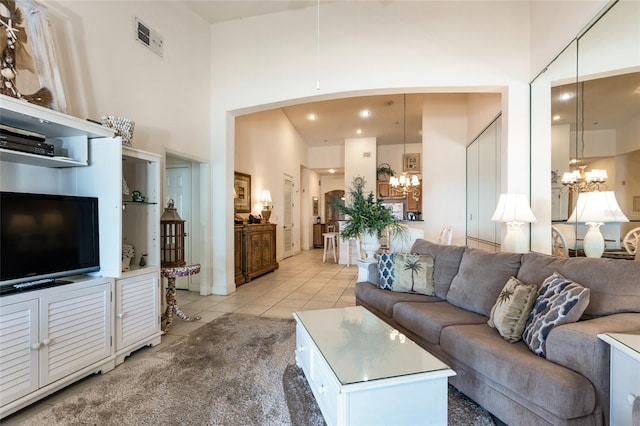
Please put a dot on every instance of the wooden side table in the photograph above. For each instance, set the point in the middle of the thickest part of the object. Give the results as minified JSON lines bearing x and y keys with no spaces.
{"x":172,"y":304}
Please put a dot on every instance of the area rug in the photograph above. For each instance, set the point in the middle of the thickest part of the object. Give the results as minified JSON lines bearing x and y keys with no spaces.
{"x":235,"y":370}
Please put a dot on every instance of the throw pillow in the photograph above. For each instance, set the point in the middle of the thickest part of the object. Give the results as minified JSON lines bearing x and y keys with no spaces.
{"x":511,"y":310}
{"x":559,"y":301}
{"x":385,"y":271}
{"x":413,"y":273}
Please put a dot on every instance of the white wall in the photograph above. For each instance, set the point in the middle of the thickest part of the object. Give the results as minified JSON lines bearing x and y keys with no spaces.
{"x":267,"y":148}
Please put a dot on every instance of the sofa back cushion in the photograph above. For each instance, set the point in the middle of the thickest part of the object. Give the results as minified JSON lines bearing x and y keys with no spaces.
{"x":614,"y":284}
{"x":481,"y":278}
{"x":445,"y":264}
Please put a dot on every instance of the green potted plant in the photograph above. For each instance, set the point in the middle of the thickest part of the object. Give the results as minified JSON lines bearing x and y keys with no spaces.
{"x":367,"y":218}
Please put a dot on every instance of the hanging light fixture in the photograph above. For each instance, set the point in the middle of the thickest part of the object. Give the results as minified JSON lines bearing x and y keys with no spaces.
{"x":406,"y":185}
{"x":579,"y":180}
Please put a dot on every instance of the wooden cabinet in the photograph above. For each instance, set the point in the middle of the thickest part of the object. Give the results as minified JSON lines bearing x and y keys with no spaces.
{"x":53,"y":337}
{"x":318,"y":239}
{"x":237,"y":248}
{"x":415,"y":204}
{"x":384,"y":189}
{"x":258,"y":250}
{"x":137,"y":320}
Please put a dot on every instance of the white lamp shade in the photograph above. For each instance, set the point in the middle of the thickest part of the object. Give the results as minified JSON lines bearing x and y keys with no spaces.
{"x":597,"y":206}
{"x":513,"y":208}
{"x":266,"y":197}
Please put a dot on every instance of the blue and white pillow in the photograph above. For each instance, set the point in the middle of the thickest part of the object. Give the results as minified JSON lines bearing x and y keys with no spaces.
{"x":385,"y":271}
{"x":560,"y":301}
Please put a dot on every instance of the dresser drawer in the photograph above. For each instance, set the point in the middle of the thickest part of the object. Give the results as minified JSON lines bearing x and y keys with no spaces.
{"x":625,"y":386}
{"x":326,"y":388}
{"x":303,"y":349}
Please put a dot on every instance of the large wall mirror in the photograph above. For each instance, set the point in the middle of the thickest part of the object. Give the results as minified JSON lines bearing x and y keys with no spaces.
{"x":585,"y":130}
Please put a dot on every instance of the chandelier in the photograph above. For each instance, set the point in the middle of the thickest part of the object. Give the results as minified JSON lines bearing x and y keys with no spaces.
{"x":405,"y":185}
{"x":580,"y":181}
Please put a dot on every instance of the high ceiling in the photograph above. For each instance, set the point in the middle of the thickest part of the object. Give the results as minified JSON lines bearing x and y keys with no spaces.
{"x":339,"y":119}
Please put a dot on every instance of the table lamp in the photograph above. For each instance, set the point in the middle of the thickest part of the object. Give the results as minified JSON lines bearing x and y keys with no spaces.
{"x":266,"y":205}
{"x":514,"y":210}
{"x":595,"y":209}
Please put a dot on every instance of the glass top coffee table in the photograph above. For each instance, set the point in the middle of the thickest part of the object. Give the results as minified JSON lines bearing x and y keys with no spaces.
{"x":363,"y":371}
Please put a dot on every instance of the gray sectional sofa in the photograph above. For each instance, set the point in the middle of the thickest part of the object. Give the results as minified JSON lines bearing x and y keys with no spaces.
{"x":568,"y":387}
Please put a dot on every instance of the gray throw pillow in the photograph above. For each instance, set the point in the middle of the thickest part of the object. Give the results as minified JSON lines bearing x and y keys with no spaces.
{"x":559,"y":301}
{"x":511,"y":310}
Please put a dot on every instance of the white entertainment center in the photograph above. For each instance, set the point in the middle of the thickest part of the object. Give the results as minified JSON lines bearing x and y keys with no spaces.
{"x":53,"y":336}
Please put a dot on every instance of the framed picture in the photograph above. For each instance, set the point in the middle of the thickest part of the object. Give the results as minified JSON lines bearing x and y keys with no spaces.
{"x":411,"y":163}
{"x":636,"y":203}
{"x":242,"y":186}
{"x":315,"y":206}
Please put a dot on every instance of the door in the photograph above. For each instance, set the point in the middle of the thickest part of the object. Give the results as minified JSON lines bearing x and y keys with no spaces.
{"x":178,"y":188}
{"x":287,"y":219}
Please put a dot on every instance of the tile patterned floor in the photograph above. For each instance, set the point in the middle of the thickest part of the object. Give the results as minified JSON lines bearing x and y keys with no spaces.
{"x":302,"y":282}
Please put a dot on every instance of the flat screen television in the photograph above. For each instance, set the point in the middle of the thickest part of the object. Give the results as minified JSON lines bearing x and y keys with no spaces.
{"x":44,"y":236}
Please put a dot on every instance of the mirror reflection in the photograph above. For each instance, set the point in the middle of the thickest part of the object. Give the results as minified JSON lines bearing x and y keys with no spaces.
{"x":595,"y":147}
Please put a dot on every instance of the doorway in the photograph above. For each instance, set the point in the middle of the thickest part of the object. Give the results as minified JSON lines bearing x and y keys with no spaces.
{"x":181,"y":185}
{"x":333,"y":215}
{"x":287,"y":219}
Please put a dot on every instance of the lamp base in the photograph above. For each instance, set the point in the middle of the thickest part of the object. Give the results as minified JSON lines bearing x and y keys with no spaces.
{"x":514,"y":241}
{"x":593,"y":240}
{"x":266,"y":215}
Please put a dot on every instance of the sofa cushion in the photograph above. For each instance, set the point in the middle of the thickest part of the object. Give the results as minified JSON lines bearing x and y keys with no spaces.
{"x":521,"y":373}
{"x":613,"y":283}
{"x":510,"y":312}
{"x":413,"y":273}
{"x":383,"y":301}
{"x":559,"y":301}
{"x":428,"y":319}
{"x":385,"y":271}
{"x":480,"y":279}
{"x":446,"y":261}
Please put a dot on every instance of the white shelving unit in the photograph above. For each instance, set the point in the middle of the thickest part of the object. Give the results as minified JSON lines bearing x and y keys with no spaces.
{"x":89,"y":161}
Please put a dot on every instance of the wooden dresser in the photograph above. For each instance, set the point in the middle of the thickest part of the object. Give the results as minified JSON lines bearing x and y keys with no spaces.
{"x":237,"y":255}
{"x":258,"y":250}
{"x":318,"y":239}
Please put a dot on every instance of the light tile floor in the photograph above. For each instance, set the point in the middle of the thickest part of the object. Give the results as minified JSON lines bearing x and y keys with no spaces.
{"x":302,"y":282}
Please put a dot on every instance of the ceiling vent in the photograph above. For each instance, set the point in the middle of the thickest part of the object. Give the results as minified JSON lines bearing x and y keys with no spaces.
{"x":148,"y":37}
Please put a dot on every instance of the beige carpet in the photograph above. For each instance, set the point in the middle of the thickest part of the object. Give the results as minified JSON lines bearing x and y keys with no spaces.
{"x":235,"y":370}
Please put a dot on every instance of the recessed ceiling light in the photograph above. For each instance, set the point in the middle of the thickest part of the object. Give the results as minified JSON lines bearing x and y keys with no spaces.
{"x":556,"y":117}
{"x":365,"y":113}
{"x":332,"y":171}
{"x":359,"y":131}
{"x":312,"y":117}
{"x":566,"y":96}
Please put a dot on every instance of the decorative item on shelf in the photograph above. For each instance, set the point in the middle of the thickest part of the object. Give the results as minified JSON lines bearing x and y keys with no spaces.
{"x":127,"y":254}
{"x":26,"y":47}
{"x":122,"y":126}
{"x":266,"y":205}
{"x":514,"y":210}
{"x":581,"y":181}
{"x":407,"y":184}
{"x":171,"y":237}
{"x":142,"y":261}
{"x":125,"y":187}
{"x":138,"y":197}
{"x":595,"y":209}
{"x":368,"y":219}
{"x":384,"y":172}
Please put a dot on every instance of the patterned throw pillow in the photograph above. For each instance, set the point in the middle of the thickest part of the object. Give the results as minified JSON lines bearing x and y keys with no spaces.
{"x":413,"y":273}
{"x":385,"y":271}
{"x":560,"y":301}
{"x":511,"y":310}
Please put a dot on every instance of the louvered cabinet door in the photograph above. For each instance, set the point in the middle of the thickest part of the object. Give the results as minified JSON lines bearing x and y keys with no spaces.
{"x":75,"y":330}
{"x":19,"y":346}
{"x":137,"y":309}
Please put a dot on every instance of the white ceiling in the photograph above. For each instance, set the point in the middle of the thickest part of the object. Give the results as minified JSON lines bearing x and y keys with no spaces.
{"x":617,"y":97}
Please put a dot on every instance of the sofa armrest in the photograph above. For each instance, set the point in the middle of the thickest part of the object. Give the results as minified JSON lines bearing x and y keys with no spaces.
{"x":577,"y":346}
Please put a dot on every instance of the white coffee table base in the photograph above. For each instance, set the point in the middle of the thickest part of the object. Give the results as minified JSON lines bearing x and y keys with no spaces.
{"x":411,"y":399}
